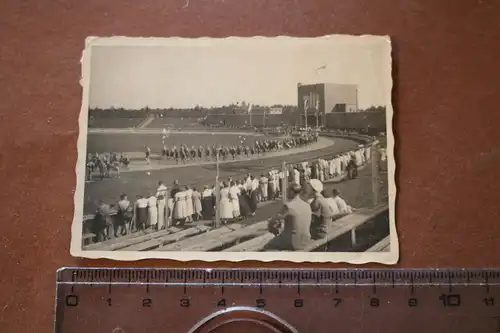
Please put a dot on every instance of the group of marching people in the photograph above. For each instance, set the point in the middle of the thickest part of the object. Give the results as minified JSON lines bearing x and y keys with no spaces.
{"x":183,"y":153}
{"x":238,"y":199}
{"x":105,"y":163}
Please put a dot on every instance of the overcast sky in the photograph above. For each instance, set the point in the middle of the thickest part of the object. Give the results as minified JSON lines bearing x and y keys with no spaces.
{"x":162,"y":73}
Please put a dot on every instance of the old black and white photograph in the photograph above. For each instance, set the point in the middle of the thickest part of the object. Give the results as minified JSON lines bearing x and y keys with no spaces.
{"x":261,"y":148}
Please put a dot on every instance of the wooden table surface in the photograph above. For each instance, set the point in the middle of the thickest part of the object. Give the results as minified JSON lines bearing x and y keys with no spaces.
{"x":446,"y":98}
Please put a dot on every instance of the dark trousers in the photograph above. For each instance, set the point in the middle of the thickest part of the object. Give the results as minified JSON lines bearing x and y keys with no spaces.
{"x":319,"y":227}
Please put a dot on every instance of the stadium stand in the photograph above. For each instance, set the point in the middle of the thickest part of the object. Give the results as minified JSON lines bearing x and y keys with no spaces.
{"x":114,"y":122}
{"x":175,"y":122}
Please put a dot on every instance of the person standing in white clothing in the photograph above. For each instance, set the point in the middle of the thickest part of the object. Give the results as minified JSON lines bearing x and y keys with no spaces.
{"x":162,"y":190}
{"x":162,"y":212}
{"x":225,"y":206}
{"x":234,"y":196}
{"x":274,"y":183}
{"x":248,"y":182}
{"x":180,"y":207}
{"x":359,"y":160}
{"x":281,"y":176}
{"x":331,"y":168}
{"x":189,"y":204}
{"x":198,"y":209}
{"x":368,"y":150}
{"x":153,"y":212}
{"x":161,"y":196}
{"x":296,"y":176}
{"x":270,"y":186}
{"x":263,"y":187}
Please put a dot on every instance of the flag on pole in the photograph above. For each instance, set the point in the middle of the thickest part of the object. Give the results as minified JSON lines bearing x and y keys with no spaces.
{"x":306,"y":106}
{"x":250,"y":108}
{"x":284,"y":182}
{"x":320,"y":68}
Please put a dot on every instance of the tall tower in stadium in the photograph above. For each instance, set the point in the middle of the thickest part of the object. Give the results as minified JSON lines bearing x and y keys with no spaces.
{"x":315,"y":101}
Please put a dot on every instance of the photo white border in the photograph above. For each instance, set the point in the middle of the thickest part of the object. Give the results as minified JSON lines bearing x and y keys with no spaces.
{"x":390,"y":257}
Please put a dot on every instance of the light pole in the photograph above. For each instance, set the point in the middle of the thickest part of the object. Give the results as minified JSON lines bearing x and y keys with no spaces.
{"x":318,"y":70}
{"x":250,"y":112}
{"x":284,"y":183}
{"x":217,"y":192}
{"x":374,"y":155}
{"x":305,"y":105}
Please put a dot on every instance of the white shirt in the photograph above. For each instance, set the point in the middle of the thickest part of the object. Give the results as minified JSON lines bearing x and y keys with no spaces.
{"x":342,"y":205}
{"x":207,"y":193}
{"x":333,"y":205}
{"x":358,"y":157}
{"x":255,"y":184}
{"x":180,"y":196}
{"x":123,"y":204}
{"x":162,"y":190}
{"x":142,"y":203}
{"x":263,"y":180}
{"x":296,"y":176}
{"x":152,"y":202}
{"x":234,"y":191}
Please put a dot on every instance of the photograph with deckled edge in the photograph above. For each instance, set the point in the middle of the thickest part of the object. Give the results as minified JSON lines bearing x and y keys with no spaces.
{"x":262,"y":148}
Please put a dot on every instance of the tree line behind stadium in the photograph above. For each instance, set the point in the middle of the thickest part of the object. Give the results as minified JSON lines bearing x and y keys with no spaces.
{"x":371,"y":120}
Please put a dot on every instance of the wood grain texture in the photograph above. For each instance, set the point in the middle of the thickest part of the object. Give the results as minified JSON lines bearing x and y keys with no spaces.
{"x":446,"y":102}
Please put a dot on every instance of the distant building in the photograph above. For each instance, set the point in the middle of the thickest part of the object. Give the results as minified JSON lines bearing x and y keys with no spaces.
{"x":256,"y":110}
{"x":275,"y":110}
{"x":325,"y":98}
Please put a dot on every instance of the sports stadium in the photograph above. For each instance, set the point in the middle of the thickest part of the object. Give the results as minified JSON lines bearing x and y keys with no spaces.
{"x":132,"y":132}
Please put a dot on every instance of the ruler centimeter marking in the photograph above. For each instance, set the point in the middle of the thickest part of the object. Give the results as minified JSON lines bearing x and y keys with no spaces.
{"x":389,"y":300}
{"x":187,"y":278}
